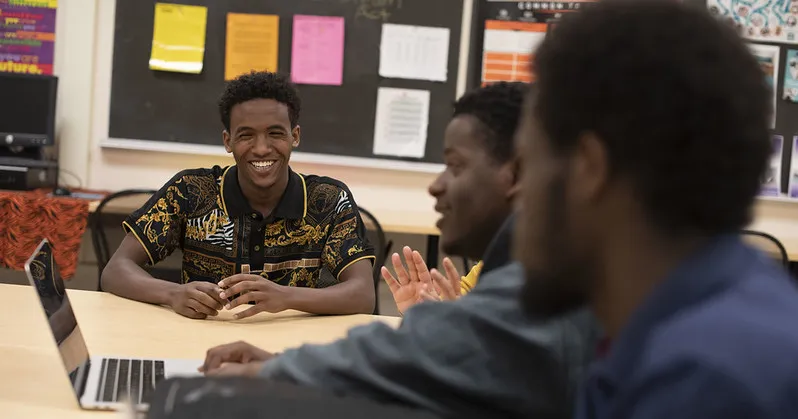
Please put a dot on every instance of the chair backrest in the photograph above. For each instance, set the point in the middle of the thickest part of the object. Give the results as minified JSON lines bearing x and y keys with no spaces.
{"x":769,"y":244}
{"x":98,"y":237}
{"x":376,"y":237}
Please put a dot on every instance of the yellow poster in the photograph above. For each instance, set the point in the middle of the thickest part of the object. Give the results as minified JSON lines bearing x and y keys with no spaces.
{"x":251,"y":44}
{"x":178,"y":38}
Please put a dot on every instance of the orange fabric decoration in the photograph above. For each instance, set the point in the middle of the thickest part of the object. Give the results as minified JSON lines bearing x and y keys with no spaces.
{"x":27,"y":217}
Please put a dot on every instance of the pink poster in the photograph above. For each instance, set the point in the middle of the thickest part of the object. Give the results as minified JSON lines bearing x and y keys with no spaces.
{"x":317,"y":53}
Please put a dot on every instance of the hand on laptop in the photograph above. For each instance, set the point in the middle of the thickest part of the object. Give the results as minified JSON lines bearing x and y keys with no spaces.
{"x":197,"y":300}
{"x":264,"y":294}
{"x":233,"y":359}
{"x":236,"y":370}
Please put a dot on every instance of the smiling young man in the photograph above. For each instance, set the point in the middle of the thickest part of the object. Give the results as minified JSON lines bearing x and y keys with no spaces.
{"x":473,"y":194}
{"x":643,"y":153}
{"x":301,"y":237}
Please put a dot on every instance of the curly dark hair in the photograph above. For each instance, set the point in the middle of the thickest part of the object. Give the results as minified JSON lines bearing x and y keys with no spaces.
{"x":676,"y":97}
{"x":260,"y":85}
{"x":498,"y":107}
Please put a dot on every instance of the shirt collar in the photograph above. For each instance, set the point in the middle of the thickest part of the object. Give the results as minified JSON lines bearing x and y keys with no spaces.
{"x":706,"y":273}
{"x":293,"y":204}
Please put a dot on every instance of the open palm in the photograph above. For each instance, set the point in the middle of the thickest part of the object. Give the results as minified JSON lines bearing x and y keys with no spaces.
{"x":410,"y":282}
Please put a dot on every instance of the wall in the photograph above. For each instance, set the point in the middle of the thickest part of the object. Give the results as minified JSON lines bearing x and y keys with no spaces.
{"x":75,"y":30}
{"x":85,"y":29}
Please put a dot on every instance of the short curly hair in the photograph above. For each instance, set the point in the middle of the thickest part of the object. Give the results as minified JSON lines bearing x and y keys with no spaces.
{"x":676,"y":97}
{"x":260,"y":85}
{"x":498,"y":107}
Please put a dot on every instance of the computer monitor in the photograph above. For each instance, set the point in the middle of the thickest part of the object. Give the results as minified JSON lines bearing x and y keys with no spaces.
{"x":27,"y":112}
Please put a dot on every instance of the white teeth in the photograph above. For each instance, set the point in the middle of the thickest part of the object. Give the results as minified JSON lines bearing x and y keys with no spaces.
{"x":262,"y":164}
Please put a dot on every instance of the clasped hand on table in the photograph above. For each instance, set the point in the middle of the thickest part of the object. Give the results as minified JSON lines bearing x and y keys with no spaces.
{"x":198,"y":300}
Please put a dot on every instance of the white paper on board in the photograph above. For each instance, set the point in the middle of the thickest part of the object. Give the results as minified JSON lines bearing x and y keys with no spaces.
{"x":400,"y":128}
{"x":414,"y":52}
{"x":768,"y":58}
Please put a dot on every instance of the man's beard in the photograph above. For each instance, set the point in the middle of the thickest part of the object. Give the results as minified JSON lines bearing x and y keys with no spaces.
{"x":562,"y":283}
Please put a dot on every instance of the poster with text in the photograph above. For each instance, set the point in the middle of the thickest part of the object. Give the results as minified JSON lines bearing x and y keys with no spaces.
{"x":27,"y":36}
{"x":512,"y":31}
{"x":790,"y":84}
{"x":759,"y":20}
{"x":507,"y":50}
{"x":771,"y":183}
{"x":768,"y":57}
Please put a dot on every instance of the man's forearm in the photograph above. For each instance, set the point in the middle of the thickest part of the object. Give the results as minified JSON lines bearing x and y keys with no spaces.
{"x":345,"y":298}
{"x":126,"y":279}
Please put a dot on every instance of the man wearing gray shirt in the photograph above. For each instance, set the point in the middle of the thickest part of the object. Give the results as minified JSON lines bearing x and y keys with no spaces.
{"x":478,"y":356}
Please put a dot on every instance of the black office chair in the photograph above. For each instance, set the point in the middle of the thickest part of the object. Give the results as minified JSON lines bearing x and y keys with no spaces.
{"x":467,"y":265}
{"x":769,"y":244}
{"x":100,"y":240}
{"x":376,"y":236}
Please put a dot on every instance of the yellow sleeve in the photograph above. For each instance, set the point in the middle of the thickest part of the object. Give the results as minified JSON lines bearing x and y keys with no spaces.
{"x":468,"y":282}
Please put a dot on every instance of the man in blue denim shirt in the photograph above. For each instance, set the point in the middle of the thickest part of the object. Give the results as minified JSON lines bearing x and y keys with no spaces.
{"x":643,"y":151}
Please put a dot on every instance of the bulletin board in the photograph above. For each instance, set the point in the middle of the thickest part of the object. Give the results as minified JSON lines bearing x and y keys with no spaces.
{"x":514,"y":27}
{"x":335,"y":120}
{"x":773,"y":25}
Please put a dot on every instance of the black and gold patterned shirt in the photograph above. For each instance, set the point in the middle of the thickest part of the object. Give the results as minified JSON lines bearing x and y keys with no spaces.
{"x":315,"y":227}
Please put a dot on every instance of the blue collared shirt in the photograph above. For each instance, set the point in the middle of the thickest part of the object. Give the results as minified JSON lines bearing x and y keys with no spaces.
{"x":718,"y":339}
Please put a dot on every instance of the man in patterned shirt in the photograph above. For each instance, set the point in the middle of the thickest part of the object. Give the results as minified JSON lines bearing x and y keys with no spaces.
{"x":256,"y":232}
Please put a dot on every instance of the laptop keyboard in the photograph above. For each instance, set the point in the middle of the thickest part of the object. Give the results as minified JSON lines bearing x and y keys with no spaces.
{"x":128,"y":379}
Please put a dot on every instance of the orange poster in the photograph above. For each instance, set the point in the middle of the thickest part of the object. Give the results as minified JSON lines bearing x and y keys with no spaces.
{"x":251,"y":44}
{"x":508,"y":48}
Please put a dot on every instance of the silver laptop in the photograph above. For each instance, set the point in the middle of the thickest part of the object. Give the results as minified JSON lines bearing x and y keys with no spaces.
{"x":106,"y":383}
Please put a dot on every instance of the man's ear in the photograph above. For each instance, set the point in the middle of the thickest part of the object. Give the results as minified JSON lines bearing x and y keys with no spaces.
{"x":228,"y":147}
{"x":589,"y":169}
{"x":296,"y":134}
{"x":514,"y":177}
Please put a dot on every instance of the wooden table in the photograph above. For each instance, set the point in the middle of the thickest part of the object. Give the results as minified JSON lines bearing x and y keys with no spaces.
{"x":33,"y":382}
{"x":784,"y":230}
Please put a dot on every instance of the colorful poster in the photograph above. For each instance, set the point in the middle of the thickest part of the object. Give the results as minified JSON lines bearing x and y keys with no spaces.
{"x":768,"y":57}
{"x":27,"y":36}
{"x":251,"y":44}
{"x":771,"y":183}
{"x":794,"y":169}
{"x":790,"y":85}
{"x":178,"y":38}
{"x":508,"y":49}
{"x":317,"y":53}
{"x":513,"y":30}
{"x":760,"y":20}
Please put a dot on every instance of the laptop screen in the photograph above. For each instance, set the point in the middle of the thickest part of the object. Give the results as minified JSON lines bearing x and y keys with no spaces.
{"x":45,"y":277}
